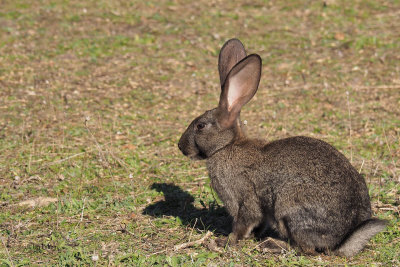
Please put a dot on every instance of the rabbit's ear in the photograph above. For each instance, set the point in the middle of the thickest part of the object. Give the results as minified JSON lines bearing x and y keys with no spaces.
{"x":240,"y":86}
{"x":231,"y":53}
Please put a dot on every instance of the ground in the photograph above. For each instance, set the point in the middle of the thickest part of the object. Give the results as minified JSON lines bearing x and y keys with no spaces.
{"x":94,"y":96}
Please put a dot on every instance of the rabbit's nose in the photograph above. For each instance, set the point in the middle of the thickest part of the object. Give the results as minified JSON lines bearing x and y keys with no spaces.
{"x":181,"y":148}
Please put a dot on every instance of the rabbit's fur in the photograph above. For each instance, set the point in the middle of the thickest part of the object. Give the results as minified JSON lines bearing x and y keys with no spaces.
{"x":300,"y":187}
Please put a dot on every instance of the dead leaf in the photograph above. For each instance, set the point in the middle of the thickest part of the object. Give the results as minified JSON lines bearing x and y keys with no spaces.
{"x":38,"y":202}
{"x":339,"y":36}
{"x":129,"y":147}
{"x":132,"y":216}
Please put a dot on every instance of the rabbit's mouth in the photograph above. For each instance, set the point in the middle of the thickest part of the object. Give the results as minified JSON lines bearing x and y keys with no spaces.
{"x":198,"y":156}
{"x":192,"y":152}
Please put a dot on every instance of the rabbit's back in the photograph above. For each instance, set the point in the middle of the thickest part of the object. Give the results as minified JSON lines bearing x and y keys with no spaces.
{"x":316,"y":188}
{"x":305,"y":185}
{"x":307,"y":170}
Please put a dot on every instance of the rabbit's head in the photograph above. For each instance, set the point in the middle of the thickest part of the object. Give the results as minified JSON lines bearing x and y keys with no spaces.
{"x":216,"y":128}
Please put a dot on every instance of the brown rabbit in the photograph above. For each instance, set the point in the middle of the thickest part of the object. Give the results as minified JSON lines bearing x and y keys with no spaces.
{"x":300,"y":187}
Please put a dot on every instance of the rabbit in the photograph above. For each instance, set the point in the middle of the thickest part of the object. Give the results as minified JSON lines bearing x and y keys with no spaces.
{"x":300,"y":187}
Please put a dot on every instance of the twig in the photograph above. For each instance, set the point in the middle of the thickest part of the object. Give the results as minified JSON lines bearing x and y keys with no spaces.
{"x":107,"y":149}
{"x":201,"y":178}
{"x":192,"y":243}
{"x":391,"y":155}
{"x":191,"y":232}
{"x":83,"y":208}
{"x":394,"y":86}
{"x":269,"y":132}
{"x":101,"y":152}
{"x":376,"y":169}
{"x":62,"y":160}
{"x":273,"y":240}
{"x":351,"y":146}
{"x":158,"y":252}
{"x":123,"y":164}
{"x":362,"y":164}
{"x":57,"y":211}
{"x":8,"y":253}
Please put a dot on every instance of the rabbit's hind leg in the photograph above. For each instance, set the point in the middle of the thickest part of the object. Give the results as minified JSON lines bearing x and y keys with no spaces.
{"x":308,"y":239}
{"x":299,"y":237}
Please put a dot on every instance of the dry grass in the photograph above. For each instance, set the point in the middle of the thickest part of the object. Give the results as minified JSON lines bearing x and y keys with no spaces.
{"x":94,"y":96}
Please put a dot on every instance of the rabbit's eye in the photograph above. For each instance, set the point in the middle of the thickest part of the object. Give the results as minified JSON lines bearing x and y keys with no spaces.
{"x":200,"y":126}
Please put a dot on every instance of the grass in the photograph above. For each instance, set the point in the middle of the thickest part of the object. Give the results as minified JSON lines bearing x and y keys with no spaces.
{"x":95,"y":94}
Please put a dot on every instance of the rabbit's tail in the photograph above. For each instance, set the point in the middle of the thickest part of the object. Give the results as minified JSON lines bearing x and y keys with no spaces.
{"x":356,"y":241}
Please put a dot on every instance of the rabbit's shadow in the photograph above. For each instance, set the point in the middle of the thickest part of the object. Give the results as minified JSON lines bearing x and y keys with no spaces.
{"x":179,"y":203}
